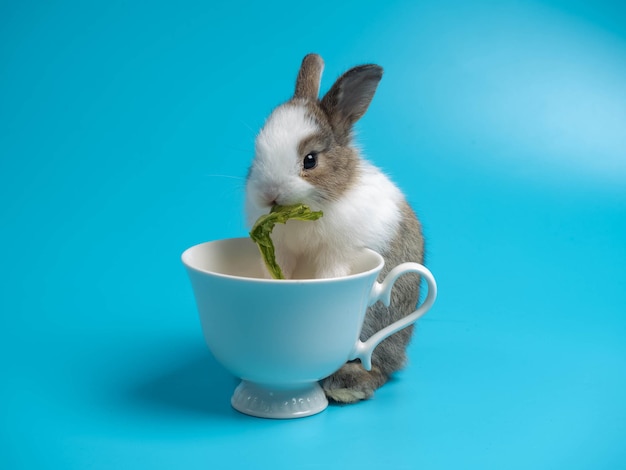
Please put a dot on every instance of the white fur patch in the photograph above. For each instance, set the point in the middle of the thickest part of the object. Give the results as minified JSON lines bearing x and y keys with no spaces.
{"x":275,"y":174}
{"x":370,"y":211}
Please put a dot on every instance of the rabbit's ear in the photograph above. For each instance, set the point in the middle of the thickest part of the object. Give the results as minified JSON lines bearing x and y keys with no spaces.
{"x":350,"y":96}
{"x":309,"y":77}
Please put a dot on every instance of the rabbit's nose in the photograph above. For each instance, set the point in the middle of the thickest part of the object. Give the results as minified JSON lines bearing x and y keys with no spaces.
{"x":270,"y":197}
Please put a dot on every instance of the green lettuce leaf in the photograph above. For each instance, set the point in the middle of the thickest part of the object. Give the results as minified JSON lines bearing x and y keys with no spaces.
{"x":263,"y":227}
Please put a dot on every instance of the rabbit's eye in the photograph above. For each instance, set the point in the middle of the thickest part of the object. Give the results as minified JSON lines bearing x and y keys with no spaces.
{"x":310,"y":161}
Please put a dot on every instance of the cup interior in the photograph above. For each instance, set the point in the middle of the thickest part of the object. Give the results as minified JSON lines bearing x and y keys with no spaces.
{"x":240,"y":257}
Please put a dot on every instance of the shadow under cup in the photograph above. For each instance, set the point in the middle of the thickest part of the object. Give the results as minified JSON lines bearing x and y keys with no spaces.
{"x":279,"y":336}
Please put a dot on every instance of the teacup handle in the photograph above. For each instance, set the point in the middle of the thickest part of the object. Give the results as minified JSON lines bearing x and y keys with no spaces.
{"x":382,"y":291}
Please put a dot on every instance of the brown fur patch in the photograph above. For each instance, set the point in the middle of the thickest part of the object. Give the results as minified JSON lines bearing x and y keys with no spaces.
{"x":309,"y":76}
{"x":348,"y":99}
{"x":338,"y":165}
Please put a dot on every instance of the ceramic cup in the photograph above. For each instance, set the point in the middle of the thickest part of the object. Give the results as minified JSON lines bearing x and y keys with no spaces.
{"x":282,"y":336}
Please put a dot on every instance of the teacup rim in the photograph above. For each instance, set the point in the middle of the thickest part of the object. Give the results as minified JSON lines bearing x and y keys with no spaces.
{"x":186,"y":253}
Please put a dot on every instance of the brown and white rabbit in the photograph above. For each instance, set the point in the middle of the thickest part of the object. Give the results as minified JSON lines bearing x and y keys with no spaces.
{"x":305,"y":154}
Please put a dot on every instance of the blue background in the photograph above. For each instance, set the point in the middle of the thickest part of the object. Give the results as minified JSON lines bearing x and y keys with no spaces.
{"x":126,"y":130}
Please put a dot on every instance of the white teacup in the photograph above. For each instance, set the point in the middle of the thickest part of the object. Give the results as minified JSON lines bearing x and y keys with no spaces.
{"x":282,"y":336}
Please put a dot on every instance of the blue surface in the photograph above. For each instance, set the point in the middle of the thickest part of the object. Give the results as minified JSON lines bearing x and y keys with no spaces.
{"x":125,"y":134}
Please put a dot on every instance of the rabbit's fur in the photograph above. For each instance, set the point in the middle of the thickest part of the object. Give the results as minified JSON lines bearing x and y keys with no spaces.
{"x":305,"y":154}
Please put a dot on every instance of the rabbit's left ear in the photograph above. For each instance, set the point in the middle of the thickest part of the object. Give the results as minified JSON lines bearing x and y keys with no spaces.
{"x":309,"y":77}
{"x":350,"y":96}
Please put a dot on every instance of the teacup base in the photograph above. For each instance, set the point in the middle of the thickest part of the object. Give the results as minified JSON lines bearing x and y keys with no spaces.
{"x":284,"y":403}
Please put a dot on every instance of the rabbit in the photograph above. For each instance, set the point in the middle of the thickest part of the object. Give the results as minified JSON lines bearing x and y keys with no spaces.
{"x":305,"y":153}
